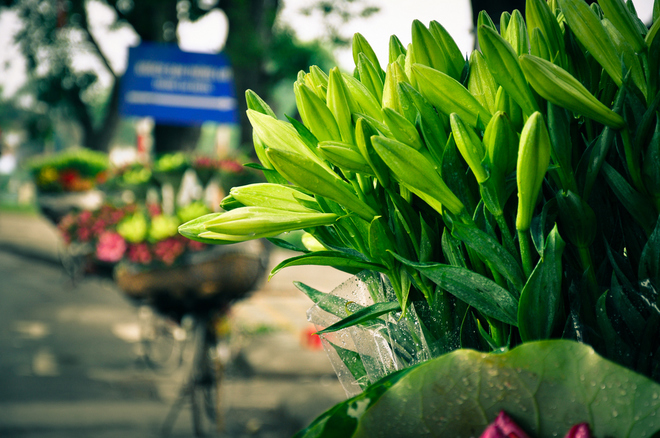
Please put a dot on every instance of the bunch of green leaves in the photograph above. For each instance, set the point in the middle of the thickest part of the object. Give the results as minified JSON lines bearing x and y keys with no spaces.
{"x":86,"y":162}
{"x":513,"y":196}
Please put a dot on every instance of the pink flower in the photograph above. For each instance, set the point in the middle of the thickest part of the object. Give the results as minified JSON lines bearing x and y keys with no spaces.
{"x":168,"y":250}
{"x":110,"y":247}
{"x":139,"y":253}
{"x":579,"y":431}
{"x":503,"y":427}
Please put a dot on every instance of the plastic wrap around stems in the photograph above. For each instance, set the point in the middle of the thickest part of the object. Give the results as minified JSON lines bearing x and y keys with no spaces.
{"x":363,"y":354}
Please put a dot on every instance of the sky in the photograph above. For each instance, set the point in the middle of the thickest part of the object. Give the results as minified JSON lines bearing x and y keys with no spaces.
{"x":208,"y":34}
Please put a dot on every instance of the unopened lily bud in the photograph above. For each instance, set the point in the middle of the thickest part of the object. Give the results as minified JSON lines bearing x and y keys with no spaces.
{"x":315,"y":114}
{"x":533,"y":161}
{"x":448,"y":95}
{"x":318,"y":77}
{"x":396,"y":49}
{"x":250,"y":222}
{"x":578,"y":221}
{"x":338,"y":102}
{"x":370,"y":78}
{"x":539,"y":45}
{"x":579,"y":431}
{"x":559,"y":87}
{"x":618,"y":13}
{"x":273,"y":196}
{"x":470,"y":146}
{"x":256,"y":103}
{"x":481,"y":83}
{"x":504,"y":103}
{"x":483,"y":19}
{"x":588,"y":29}
{"x":346,"y":156}
{"x":516,"y":33}
{"x":402,"y":129}
{"x":363,"y":134}
{"x":501,"y":143}
{"x":306,"y":173}
{"x":395,"y":74}
{"x":503,"y":64}
{"x":539,"y":15}
{"x":426,"y":49}
{"x":417,"y":174}
{"x":628,"y":55}
{"x":360,"y":45}
{"x":447,"y":43}
{"x":365,"y":102}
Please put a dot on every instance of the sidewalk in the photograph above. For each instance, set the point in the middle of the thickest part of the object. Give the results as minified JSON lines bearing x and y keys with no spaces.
{"x":283,"y":374}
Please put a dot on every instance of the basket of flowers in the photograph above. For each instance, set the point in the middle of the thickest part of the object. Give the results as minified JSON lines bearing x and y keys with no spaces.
{"x":501,"y":215}
{"x":68,"y":180}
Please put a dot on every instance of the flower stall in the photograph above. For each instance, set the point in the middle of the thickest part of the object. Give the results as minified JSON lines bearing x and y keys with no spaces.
{"x":500,"y":214}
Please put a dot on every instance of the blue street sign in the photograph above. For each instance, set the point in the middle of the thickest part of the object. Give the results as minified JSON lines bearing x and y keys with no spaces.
{"x":177,"y":87}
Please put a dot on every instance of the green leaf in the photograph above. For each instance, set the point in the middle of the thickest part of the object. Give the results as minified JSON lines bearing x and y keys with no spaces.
{"x":490,"y":250}
{"x":332,"y":304}
{"x":363,"y":315}
{"x":541,"y":297}
{"x":353,"y":362}
{"x":546,"y":387}
{"x":480,"y":292}
{"x":335,"y":259}
{"x":649,"y":264}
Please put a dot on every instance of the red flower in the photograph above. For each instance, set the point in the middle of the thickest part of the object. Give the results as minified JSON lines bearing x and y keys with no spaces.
{"x":168,"y":250}
{"x":110,"y":247}
{"x":503,"y":427}
{"x":194,"y":245}
{"x":139,"y":253}
{"x":68,"y":178}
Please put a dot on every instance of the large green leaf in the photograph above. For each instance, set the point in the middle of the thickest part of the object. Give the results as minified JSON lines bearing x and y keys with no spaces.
{"x":335,"y":259}
{"x":546,"y":387}
{"x":480,"y":292}
{"x":541,"y":297}
{"x":366,"y":314}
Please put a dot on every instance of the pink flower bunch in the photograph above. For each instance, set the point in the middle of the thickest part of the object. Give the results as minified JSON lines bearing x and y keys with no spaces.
{"x":139,"y":253}
{"x":505,"y":427}
{"x":110,"y":247}
{"x":168,"y":250}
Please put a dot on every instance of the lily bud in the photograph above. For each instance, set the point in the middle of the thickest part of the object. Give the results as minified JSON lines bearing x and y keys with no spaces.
{"x":470,"y":146}
{"x":304,"y":172}
{"x":481,"y":83}
{"x":256,"y":222}
{"x":588,"y":29}
{"x":338,"y":102}
{"x":273,"y":196}
{"x":559,"y":87}
{"x":396,"y":49}
{"x":578,"y":220}
{"x":315,"y":114}
{"x":365,"y":102}
{"x":533,"y":161}
{"x":394,"y":75}
{"x":448,"y":95}
{"x":483,"y":19}
{"x":501,"y":143}
{"x":626,"y":51}
{"x":504,"y":103}
{"x":346,"y":156}
{"x":516,"y":33}
{"x":417,"y":174}
{"x":402,"y":129}
{"x":427,"y":51}
{"x":370,"y":77}
{"x":539,"y":45}
{"x":447,"y":43}
{"x":503,"y":64}
{"x":539,"y":15}
{"x":360,"y":45}
{"x":363,"y":134}
{"x":617,"y":12}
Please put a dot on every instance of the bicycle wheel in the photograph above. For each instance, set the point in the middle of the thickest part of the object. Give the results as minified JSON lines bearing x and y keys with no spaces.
{"x":162,"y":341}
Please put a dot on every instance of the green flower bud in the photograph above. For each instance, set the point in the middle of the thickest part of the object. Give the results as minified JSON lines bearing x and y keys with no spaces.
{"x":394,"y":75}
{"x":196,"y":230}
{"x":503,"y":64}
{"x":363,"y":134}
{"x":315,"y":114}
{"x":516,"y":33}
{"x":539,"y":45}
{"x":257,"y":222}
{"x":402,"y":129}
{"x":483,"y":19}
{"x":427,"y":51}
{"x":539,"y":15}
{"x":481,"y":83}
{"x":256,"y":103}
{"x":273,"y":196}
{"x":416,"y":173}
{"x":504,"y":103}
{"x":365,"y":102}
{"x":318,"y":78}
{"x":370,"y":77}
{"x":304,"y":172}
{"x":501,"y":143}
{"x":448,"y":95}
{"x":360,"y":45}
{"x":625,"y":51}
{"x":533,"y":161}
{"x":557,"y":86}
{"x":617,"y":12}
{"x":588,"y":29}
{"x":470,"y":147}
{"x":577,"y":219}
{"x":338,"y":102}
{"x":396,"y":49}
{"x":346,"y":156}
{"x":447,"y":43}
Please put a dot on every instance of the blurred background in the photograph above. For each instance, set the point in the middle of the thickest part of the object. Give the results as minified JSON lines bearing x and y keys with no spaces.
{"x":120,"y":120}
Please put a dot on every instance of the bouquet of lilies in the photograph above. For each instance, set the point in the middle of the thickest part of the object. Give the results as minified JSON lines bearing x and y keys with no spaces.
{"x":505,"y":200}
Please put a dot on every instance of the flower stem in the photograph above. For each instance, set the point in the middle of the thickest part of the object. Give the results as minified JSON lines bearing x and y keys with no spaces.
{"x":526,"y":252}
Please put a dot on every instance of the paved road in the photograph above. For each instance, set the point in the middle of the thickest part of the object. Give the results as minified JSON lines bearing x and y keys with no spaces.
{"x":69,"y":363}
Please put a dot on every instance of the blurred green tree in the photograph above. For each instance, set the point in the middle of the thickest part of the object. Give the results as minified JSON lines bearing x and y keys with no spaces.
{"x":56,"y":31}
